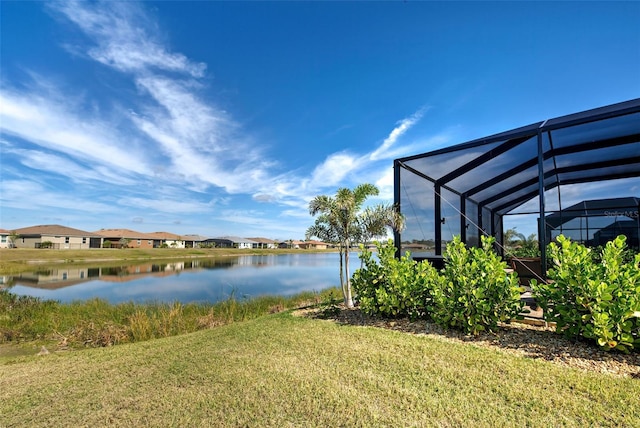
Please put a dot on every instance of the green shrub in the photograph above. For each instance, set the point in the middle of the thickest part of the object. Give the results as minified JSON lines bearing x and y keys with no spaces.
{"x":473,"y":293}
{"x":476,"y":292}
{"x":393,"y":287}
{"x":593,"y":296}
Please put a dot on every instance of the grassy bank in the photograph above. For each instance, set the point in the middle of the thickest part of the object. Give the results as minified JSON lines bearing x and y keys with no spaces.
{"x":281,"y":370}
{"x":96,"y":323}
{"x":17,"y":260}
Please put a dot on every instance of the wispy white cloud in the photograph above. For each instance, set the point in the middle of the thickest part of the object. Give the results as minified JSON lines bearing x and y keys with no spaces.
{"x":125,"y":37}
{"x":53,"y":122}
{"x":15,"y":194}
{"x":166,"y":204}
{"x":345,"y":168}
{"x":256,"y":223}
{"x":60,"y":165}
{"x":385,"y":184}
{"x":184,"y":114}
{"x":200,"y":142}
{"x":333,"y":170}
{"x":382,"y":152}
{"x":373,"y":167}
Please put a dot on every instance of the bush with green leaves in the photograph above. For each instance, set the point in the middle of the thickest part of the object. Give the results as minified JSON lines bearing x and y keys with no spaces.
{"x":473,"y":292}
{"x":595,"y":296}
{"x":476,"y":292}
{"x":393,"y":287}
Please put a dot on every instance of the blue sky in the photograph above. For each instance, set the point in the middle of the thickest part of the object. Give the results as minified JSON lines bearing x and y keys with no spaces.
{"x":226,"y":118}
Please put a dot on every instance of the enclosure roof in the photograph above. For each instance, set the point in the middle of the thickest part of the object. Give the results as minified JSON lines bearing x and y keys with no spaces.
{"x":614,"y":207}
{"x":501,"y":172}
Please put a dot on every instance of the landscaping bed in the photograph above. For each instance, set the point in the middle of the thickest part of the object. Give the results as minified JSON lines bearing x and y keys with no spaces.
{"x":531,"y":341}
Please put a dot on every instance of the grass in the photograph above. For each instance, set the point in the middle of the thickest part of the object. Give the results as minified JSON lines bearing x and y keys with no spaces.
{"x":280,"y":370}
{"x":18,"y":260}
{"x":95,"y":322}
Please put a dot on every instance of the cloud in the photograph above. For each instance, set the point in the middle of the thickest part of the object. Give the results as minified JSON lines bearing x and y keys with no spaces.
{"x":199,"y":143}
{"x":404,"y":125}
{"x":199,"y":139}
{"x":255,"y":223}
{"x":61,"y":165}
{"x":337,"y":167}
{"x":15,"y":194}
{"x":374,"y":166}
{"x":386,"y":184}
{"x":264,"y":198}
{"x":168,"y":133}
{"x":333,"y":170}
{"x":184,"y":114}
{"x":344,"y":169}
{"x":126,"y":39}
{"x":55,"y":123}
{"x":165,"y":204}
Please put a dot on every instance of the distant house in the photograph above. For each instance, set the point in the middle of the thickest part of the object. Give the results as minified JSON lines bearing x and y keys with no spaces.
{"x":5,"y":242}
{"x":232,"y":242}
{"x":128,"y":238}
{"x":414,"y":247}
{"x":171,"y":240}
{"x":56,"y":236}
{"x":194,"y":241}
{"x":264,"y":243}
{"x":314,"y":245}
{"x":292,"y":243}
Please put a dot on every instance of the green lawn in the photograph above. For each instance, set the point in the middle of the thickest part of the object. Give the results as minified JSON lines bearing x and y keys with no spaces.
{"x":285,"y":371}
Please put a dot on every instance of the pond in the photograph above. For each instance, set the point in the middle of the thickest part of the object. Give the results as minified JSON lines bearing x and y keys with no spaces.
{"x":192,"y":280}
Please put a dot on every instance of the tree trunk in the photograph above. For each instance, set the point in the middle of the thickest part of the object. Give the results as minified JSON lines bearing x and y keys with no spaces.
{"x":348,"y":299}
{"x":342,"y":285}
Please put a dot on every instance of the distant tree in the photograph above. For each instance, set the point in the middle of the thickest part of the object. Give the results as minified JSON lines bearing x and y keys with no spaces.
{"x":519,"y":245}
{"x":510,"y":237}
{"x":341,"y":222}
{"x":124,"y":242}
{"x":13,"y":238}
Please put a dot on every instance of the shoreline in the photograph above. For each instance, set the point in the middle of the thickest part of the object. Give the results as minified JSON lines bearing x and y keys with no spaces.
{"x":20,"y":260}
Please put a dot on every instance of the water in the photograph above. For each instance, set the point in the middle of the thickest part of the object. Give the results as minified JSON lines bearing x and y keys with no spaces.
{"x":186,"y":281}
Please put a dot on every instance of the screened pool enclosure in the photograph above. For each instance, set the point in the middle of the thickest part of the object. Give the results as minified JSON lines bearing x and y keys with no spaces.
{"x":513,"y":179}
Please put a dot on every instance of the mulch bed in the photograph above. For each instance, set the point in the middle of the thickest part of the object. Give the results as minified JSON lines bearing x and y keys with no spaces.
{"x":524,"y":339}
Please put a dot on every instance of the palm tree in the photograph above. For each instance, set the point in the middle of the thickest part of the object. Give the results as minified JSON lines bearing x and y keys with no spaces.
{"x":375,"y":220}
{"x":519,"y":245}
{"x":341,"y":223}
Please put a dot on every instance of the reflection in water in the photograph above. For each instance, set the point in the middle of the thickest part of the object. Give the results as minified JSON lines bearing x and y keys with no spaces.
{"x":190,"y":280}
{"x":53,"y":278}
